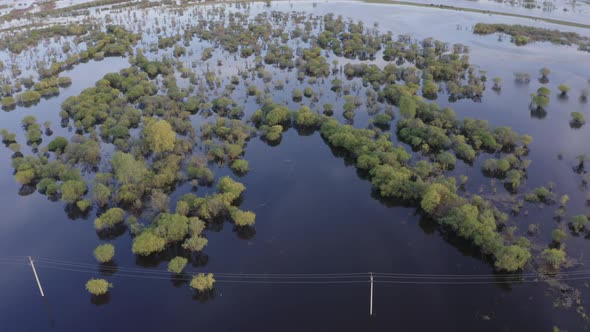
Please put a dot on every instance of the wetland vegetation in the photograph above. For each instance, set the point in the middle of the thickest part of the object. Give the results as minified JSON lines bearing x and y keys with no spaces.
{"x":159,"y":153}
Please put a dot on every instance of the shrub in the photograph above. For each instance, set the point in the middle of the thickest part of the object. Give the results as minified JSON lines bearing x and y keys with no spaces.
{"x":58,"y":144}
{"x":104,"y":253}
{"x":240,"y":166}
{"x":72,"y":190}
{"x":110,"y":218}
{"x":243,"y":218}
{"x":147,"y":243}
{"x":203,"y":282}
{"x":98,"y":286}
{"x":554,"y":257}
{"x":177,"y":264}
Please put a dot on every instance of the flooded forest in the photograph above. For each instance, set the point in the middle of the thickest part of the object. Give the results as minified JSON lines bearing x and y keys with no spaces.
{"x":298,"y":165}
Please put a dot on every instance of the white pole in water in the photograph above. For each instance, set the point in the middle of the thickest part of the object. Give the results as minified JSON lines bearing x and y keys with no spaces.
{"x":371,"y":304}
{"x":36,"y":277}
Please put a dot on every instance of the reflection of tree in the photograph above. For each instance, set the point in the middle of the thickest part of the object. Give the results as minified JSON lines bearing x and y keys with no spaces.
{"x":110,"y":233}
{"x":27,"y":190}
{"x":17,"y":155}
{"x":245,"y":232}
{"x":204,"y":296}
{"x":99,"y":300}
{"x":108,"y":269}
{"x":538,"y":113}
{"x":199,"y":259}
{"x":73,"y":212}
{"x":579,"y":168}
{"x":178,"y":280}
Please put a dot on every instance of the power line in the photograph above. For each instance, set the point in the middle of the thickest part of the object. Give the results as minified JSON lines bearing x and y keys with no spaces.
{"x":318,"y":275}
{"x":307,"y":278}
{"x":245,"y":275}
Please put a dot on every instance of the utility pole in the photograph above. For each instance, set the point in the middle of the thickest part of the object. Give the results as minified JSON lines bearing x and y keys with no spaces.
{"x":36,"y":277}
{"x":371,"y":303}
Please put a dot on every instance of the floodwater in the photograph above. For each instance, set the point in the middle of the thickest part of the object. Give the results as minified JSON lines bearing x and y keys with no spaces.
{"x":576,"y":11}
{"x":315,"y":215}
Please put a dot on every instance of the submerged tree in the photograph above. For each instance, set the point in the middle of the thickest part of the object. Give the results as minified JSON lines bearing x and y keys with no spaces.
{"x":541,"y":99}
{"x":104,"y":253}
{"x":98,"y":286}
{"x":577,"y":120}
{"x":554,"y":257}
{"x":544,"y":75}
{"x":497,"y":83}
{"x":564,"y":89}
{"x":202,"y":282}
{"x":159,"y":135}
{"x":177,"y":264}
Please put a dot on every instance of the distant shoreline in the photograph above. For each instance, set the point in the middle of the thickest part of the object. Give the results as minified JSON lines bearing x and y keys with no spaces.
{"x":481,"y":11}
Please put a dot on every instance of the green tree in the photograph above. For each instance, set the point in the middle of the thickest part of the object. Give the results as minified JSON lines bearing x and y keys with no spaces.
{"x":541,"y":99}
{"x":104,"y":253}
{"x":182,"y":208}
{"x":98,"y":286}
{"x":101,"y":194}
{"x":72,"y":190}
{"x":230,"y":187}
{"x":177,"y":264}
{"x":202,"y":282}
{"x":554,"y":257}
{"x":243,"y":218}
{"x":544,"y":73}
{"x":110,"y":218}
{"x":240,"y":166}
{"x":578,"y":120}
{"x":159,"y":201}
{"x":306,"y":118}
{"x":407,"y":107}
{"x":171,"y":227}
{"x":147,"y":243}
{"x":580,"y":223}
{"x":127,"y":168}
{"x":564,"y":89}
{"x":58,"y":144}
{"x":159,"y":135}
{"x":558,"y":235}
{"x":83,"y":205}
{"x":512,"y":258}
{"x":195,"y":243}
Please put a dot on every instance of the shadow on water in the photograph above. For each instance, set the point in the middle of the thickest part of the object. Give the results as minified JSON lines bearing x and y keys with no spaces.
{"x":204,"y":296}
{"x":178,"y":281}
{"x":27,"y":190}
{"x":245,"y":232}
{"x":74,"y":213}
{"x":538,"y":113}
{"x":199,"y":259}
{"x":111,"y":233}
{"x":99,"y":300}
{"x":108,"y":269}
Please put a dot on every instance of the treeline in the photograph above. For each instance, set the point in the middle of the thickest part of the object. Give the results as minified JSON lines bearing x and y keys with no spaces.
{"x":522,"y":34}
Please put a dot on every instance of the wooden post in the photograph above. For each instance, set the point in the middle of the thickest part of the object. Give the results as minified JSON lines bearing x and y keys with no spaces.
{"x":371,"y":303}
{"x":36,"y":277}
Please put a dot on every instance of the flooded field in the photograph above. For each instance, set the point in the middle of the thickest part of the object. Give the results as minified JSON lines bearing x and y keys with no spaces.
{"x":289,"y":150}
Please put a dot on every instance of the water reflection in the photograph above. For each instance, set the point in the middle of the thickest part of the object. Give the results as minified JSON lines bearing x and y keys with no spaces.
{"x":199,"y":259}
{"x":27,"y":190}
{"x":99,"y":300}
{"x":245,"y":232}
{"x":74,"y":213}
{"x":108,"y":269}
{"x":178,"y":281}
{"x":538,"y":113}
{"x":204,"y":296}
{"x":111,"y":233}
